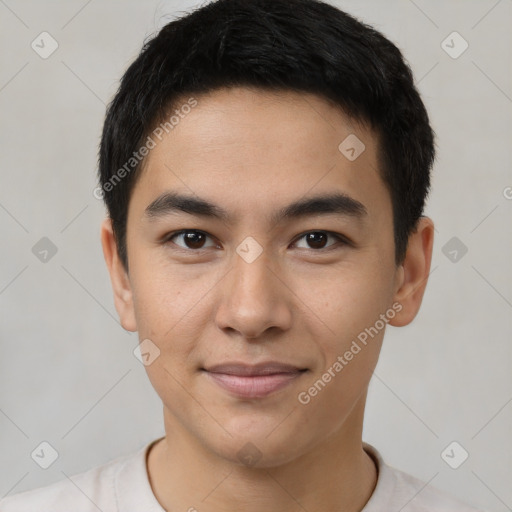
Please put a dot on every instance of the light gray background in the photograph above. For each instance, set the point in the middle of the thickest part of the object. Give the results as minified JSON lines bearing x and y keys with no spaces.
{"x":67,"y":370}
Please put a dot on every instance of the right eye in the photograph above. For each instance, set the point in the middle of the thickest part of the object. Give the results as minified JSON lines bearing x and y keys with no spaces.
{"x":193,"y":239}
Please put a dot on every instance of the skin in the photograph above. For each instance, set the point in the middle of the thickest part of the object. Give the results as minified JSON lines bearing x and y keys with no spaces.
{"x":252,"y":152}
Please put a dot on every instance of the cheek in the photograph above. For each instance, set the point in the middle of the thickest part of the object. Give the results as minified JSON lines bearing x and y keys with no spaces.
{"x":349,"y":347}
{"x":347,"y":302}
{"x":357,"y":311}
{"x":173,"y":310}
{"x":166,"y":294}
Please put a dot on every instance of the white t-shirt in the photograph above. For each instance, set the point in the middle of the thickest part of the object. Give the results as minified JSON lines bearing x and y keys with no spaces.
{"x":122,"y":485}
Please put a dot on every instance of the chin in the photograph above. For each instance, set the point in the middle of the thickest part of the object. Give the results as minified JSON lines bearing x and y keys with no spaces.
{"x":256,"y":444}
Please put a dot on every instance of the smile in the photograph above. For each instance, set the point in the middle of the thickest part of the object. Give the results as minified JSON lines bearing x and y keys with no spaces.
{"x":253,"y":381}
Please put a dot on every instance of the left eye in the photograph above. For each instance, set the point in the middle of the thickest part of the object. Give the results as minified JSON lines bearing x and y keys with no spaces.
{"x":317,"y":239}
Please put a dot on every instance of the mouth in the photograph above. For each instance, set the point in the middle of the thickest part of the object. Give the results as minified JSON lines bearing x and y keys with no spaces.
{"x":253,"y":381}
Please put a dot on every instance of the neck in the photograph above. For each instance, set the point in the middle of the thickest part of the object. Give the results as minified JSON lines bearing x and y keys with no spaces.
{"x":336,"y":475}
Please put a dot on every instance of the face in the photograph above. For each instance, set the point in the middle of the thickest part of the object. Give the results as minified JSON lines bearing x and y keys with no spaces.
{"x":250,"y":303}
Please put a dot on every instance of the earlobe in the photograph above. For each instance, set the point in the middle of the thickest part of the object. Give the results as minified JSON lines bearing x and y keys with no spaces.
{"x":121,"y":287}
{"x":414,"y":272}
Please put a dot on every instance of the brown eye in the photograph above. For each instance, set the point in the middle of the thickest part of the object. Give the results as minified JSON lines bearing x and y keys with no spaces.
{"x":318,"y":239}
{"x":192,"y":239}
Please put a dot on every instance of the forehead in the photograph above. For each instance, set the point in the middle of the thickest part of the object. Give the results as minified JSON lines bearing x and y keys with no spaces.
{"x":254,"y":150}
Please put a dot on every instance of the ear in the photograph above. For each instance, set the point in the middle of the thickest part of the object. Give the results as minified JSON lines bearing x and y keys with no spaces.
{"x":413,"y":273}
{"x":123,"y":297}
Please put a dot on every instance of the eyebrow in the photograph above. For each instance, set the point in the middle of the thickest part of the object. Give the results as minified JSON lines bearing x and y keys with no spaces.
{"x":327,"y":204}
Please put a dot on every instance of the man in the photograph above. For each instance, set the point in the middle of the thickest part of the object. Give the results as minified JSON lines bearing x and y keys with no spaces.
{"x":265,"y":165}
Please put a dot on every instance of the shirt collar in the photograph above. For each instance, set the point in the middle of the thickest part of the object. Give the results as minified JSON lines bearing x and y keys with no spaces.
{"x":381,"y":498}
{"x":132,"y":487}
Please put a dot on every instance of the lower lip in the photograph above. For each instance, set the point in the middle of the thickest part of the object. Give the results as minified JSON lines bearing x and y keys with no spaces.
{"x":255,"y":386}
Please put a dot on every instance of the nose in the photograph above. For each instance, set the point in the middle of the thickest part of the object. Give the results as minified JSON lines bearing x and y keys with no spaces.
{"x":255,"y":300}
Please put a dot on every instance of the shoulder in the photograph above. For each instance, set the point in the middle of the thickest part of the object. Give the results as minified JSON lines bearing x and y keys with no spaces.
{"x":83,"y":492}
{"x":421,"y":496}
{"x":397,"y":490}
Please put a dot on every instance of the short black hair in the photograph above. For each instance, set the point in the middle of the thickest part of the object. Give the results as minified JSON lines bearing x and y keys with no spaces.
{"x":279,"y":45}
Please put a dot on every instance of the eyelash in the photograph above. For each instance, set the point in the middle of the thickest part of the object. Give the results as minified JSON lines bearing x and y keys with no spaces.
{"x":340,"y":239}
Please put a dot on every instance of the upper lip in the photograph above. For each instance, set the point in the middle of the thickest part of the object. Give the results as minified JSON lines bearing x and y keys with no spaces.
{"x":267,"y":368}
